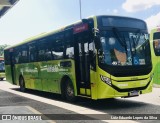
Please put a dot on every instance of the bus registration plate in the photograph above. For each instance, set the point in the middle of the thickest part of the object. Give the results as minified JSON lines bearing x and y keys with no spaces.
{"x":134,"y":93}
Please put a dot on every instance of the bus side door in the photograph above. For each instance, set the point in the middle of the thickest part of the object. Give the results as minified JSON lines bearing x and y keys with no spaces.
{"x":82,"y":63}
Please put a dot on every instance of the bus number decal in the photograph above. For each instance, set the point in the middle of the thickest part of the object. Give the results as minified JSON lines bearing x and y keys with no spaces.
{"x":55,"y":68}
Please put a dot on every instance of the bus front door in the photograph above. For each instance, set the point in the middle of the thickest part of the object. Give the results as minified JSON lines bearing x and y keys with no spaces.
{"x":82,"y":64}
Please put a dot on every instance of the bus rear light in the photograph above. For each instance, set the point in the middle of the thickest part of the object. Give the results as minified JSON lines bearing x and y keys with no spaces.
{"x":106,"y":80}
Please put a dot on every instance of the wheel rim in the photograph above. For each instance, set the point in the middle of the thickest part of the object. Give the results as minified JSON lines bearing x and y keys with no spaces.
{"x":70,"y":90}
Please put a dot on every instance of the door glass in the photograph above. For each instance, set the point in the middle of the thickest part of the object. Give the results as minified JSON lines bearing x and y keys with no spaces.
{"x":86,"y":48}
{"x":80,"y":48}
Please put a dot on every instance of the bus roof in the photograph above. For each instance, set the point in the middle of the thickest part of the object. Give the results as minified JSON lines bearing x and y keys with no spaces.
{"x":43,"y":35}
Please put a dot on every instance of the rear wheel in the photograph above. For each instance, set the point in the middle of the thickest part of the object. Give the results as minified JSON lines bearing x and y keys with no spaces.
{"x":22,"y":84}
{"x":69,"y":91}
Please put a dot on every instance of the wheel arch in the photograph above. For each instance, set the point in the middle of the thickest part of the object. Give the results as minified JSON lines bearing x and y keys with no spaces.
{"x":62,"y":84}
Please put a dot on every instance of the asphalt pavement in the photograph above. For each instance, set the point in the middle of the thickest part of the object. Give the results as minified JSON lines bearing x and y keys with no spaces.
{"x":36,"y":102}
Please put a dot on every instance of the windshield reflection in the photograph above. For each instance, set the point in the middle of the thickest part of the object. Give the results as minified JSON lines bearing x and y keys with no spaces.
{"x":124,"y":48}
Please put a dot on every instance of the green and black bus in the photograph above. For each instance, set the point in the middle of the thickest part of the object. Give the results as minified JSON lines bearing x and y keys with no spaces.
{"x":98,"y":57}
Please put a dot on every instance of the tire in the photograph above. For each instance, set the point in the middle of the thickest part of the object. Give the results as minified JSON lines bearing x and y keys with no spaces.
{"x":22,"y":84}
{"x":69,"y":91}
{"x":1,"y":79}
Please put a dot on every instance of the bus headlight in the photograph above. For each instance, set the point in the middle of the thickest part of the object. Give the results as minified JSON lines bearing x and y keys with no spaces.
{"x":151,"y":76}
{"x":106,"y":80}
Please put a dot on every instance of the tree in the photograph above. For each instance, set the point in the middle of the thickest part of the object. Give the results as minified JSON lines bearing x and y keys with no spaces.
{"x":2,"y":47}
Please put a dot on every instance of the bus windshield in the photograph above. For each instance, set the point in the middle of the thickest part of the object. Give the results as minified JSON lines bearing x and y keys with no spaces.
{"x":2,"y":68}
{"x":124,"y":48}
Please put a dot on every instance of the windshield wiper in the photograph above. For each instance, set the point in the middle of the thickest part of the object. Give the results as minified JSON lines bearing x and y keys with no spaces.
{"x":123,"y":43}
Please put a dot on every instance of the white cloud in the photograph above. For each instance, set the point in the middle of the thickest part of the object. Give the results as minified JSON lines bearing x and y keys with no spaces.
{"x":153,"y":21}
{"x":115,"y":11}
{"x":139,"y":5}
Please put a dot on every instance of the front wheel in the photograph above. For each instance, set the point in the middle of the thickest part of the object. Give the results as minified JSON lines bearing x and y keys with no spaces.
{"x":22,"y":84}
{"x":69,"y":91}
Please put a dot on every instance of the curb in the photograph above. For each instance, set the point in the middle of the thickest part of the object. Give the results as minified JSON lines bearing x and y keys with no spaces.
{"x":156,"y":85}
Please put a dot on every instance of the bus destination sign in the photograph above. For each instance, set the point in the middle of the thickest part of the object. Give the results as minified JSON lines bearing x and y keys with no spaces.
{"x":80,"y":28}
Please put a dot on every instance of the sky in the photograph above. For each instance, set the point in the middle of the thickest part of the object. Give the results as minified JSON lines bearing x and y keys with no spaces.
{"x":31,"y":17}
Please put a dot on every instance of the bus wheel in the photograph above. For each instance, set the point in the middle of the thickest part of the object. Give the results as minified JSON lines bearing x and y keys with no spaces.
{"x":1,"y":79}
{"x":69,"y":91}
{"x":22,"y":84}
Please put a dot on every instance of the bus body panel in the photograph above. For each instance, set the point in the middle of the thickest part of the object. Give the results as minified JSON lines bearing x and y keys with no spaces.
{"x":116,"y":88}
{"x":155,"y":58}
{"x":8,"y":73}
{"x":46,"y":75}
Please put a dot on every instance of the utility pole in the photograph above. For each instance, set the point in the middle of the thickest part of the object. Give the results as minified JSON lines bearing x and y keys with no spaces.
{"x":80,"y":9}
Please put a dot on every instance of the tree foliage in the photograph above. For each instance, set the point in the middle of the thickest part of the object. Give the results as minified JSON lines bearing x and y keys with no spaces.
{"x":2,"y":47}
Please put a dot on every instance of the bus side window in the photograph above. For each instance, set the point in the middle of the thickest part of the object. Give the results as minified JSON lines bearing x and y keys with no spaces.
{"x":58,"y":47}
{"x":32,"y":53}
{"x":69,"y":52}
{"x":57,"y":52}
{"x":24,"y":54}
{"x":41,"y":54}
{"x":48,"y":55}
{"x":7,"y":57}
{"x":17,"y":55}
{"x":44,"y":50}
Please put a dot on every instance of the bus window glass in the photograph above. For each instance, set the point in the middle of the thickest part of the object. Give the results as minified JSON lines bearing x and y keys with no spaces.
{"x":70,"y":52}
{"x":126,"y":48}
{"x":7,"y":57}
{"x":156,"y":35}
{"x":24,"y":54}
{"x":2,"y":68}
{"x":44,"y":50}
{"x":58,"y":50}
{"x":86,"y":46}
{"x":156,"y":43}
{"x":123,"y":22}
{"x":32,"y":52}
{"x":48,"y":55}
{"x":17,"y":55}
